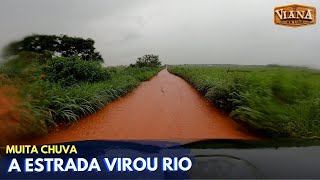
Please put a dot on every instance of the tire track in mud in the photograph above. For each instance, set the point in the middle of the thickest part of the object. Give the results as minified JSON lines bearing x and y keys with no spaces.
{"x":164,"y":108}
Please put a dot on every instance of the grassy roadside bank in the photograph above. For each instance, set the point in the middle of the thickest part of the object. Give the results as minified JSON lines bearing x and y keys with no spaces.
{"x":42,"y":103}
{"x":277,"y":101}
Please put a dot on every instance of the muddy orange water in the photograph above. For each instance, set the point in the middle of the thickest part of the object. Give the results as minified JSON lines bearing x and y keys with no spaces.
{"x":9,"y":114}
{"x":164,"y":108}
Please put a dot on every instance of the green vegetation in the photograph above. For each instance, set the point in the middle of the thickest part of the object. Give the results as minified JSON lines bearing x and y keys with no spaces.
{"x":148,"y":60}
{"x":49,"y":89}
{"x":52,"y":101}
{"x":72,"y":70}
{"x":278,"y":101}
{"x":62,"y":45}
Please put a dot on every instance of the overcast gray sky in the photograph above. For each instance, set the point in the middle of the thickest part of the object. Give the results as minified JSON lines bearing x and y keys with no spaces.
{"x":180,"y":31}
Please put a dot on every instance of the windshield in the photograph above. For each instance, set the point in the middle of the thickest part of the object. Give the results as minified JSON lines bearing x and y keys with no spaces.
{"x":212,"y":80}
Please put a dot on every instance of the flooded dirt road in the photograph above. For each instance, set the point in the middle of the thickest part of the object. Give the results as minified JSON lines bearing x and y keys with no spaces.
{"x":164,"y":108}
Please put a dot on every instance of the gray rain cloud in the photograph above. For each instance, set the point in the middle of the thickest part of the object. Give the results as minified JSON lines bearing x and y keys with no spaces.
{"x":180,"y":31}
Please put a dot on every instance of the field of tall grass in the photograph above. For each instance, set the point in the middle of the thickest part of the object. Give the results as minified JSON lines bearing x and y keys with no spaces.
{"x":274,"y":100}
{"x":48,"y":101}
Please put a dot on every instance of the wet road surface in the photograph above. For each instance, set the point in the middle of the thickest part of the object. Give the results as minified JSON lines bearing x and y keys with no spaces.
{"x":164,"y":108}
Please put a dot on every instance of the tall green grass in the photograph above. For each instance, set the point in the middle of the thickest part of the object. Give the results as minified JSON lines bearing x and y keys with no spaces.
{"x":50,"y":103}
{"x":278,"y":101}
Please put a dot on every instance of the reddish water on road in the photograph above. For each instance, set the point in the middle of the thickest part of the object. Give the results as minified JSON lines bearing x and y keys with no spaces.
{"x":164,"y":108}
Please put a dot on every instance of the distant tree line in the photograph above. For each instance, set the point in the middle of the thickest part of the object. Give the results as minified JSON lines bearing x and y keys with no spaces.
{"x":148,"y":60}
{"x":49,"y":46}
{"x":59,"y":45}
